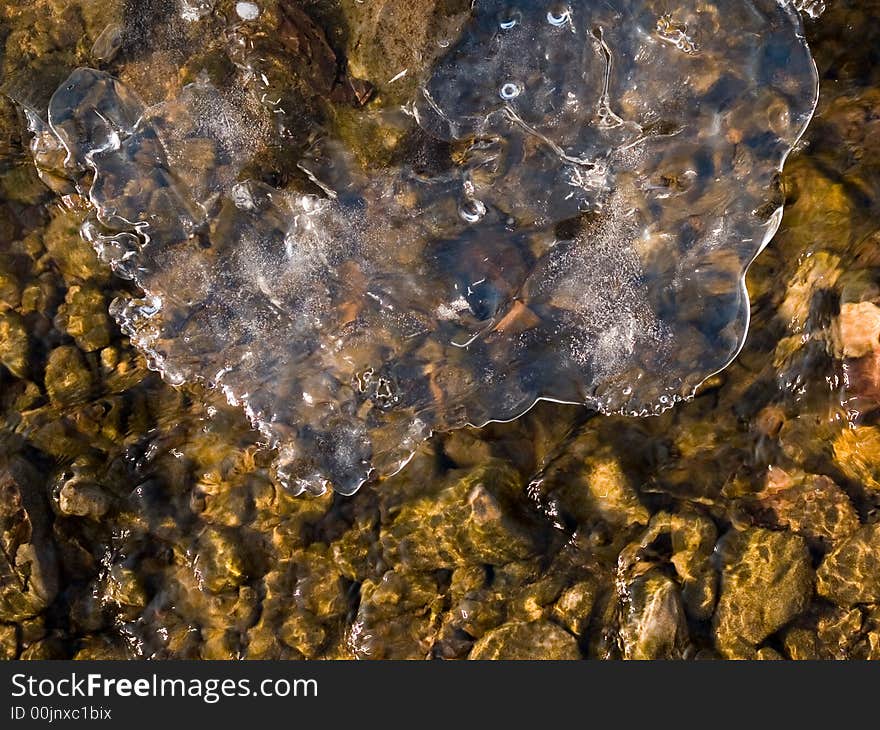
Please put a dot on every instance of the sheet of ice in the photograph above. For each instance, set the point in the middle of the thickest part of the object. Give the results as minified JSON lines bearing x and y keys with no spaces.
{"x":611,"y":171}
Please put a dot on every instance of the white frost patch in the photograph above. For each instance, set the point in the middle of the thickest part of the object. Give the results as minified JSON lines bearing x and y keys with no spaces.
{"x":247,"y":11}
{"x":193,"y":10}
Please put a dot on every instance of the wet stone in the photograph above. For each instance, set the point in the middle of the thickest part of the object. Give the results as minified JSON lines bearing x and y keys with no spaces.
{"x":14,"y":343}
{"x":52,"y":647}
{"x":83,"y":315}
{"x":857,"y":454}
{"x":575,"y":606}
{"x":392,"y":41}
{"x":653,"y":624}
{"x":839,"y":631}
{"x":219,"y":561}
{"x":397,"y":617}
{"x":858,"y":329}
{"x":82,"y":499}
{"x":103,"y":649}
{"x":691,"y":542}
{"x":29,"y":569}
{"x":74,"y":257}
{"x":850,"y":574}
{"x":10,"y":289}
{"x":68,"y":378}
{"x":303,"y":633}
{"x":828,"y":632}
{"x":767,"y":653}
{"x":589,"y":485}
{"x":475,"y":607}
{"x":474,"y":517}
{"x":808,"y":504}
{"x":518,"y":640}
{"x":766,"y":580}
{"x":124,"y":588}
{"x":8,"y":642}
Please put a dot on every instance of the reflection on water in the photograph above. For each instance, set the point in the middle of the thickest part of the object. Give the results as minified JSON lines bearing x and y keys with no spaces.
{"x":143,"y":520}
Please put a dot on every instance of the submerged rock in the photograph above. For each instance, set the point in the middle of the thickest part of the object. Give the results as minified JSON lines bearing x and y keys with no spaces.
{"x":82,"y":499}
{"x":850,"y":574}
{"x":766,"y":580}
{"x":858,"y":329}
{"x":68,"y":377}
{"x":538,"y":640}
{"x":808,"y":504}
{"x":653,"y":625}
{"x":857,"y":455}
{"x":687,"y":541}
{"x":8,"y":642}
{"x":83,"y":315}
{"x":473,"y":519}
{"x":391,"y":42}
{"x":14,"y":343}
{"x":29,"y":577}
{"x":397,"y":617}
{"x":574,"y":607}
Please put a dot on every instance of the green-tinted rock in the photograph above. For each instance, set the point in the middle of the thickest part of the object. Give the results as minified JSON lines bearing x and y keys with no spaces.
{"x":98,"y":648}
{"x":357,"y":550}
{"x":838,"y":632}
{"x":125,"y":589}
{"x":52,"y":647}
{"x":303,"y":633}
{"x":40,"y":295}
{"x":589,"y":484}
{"x":517,"y":640}
{"x":857,"y":454}
{"x":692,"y":540}
{"x":10,"y":290}
{"x":766,"y":581}
{"x":22,"y":184}
{"x":768,"y":654}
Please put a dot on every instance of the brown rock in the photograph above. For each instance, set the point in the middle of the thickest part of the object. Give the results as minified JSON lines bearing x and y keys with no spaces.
{"x":858,"y":329}
{"x":28,"y":564}
{"x":766,"y":581}
{"x":850,"y":574}
{"x":516,"y":640}
{"x":808,"y":504}
{"x":653,"y":624}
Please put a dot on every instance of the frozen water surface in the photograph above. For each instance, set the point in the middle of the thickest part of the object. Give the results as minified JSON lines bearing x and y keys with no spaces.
{"x":586,"y":186}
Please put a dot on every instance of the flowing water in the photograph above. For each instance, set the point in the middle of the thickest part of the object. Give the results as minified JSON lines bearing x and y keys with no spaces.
{"x":265,"y":268}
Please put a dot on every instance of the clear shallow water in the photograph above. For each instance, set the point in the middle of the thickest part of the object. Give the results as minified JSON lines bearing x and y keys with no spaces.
{"x":738,"y":524}
{"x":569,"y":216}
